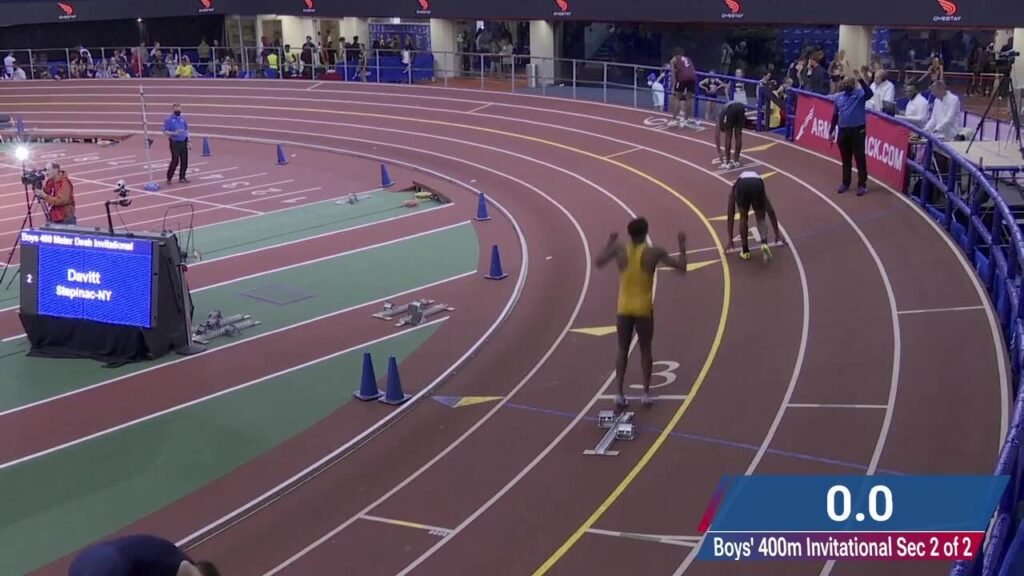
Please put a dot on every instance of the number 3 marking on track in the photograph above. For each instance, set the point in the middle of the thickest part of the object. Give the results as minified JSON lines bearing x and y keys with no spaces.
{"x":668,"y":375}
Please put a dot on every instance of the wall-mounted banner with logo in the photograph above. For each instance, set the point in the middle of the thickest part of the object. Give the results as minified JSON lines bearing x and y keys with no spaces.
{"x":930,"y":13}
{"x":887,"y":145}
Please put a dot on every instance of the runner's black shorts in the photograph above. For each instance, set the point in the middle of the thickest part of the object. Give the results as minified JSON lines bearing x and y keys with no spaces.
{"x":750,"y":193}
{"x":686,"y":89}
{"x":733,"y":117}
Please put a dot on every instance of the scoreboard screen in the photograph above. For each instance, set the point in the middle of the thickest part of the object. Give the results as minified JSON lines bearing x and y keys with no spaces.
{"x":107,"y":279}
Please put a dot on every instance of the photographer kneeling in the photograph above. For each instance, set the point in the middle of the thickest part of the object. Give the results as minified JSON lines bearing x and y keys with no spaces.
{"x":59,"y":194}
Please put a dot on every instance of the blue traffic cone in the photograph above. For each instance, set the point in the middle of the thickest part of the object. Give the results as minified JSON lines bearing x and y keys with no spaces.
{"x":206,"y":146}
{"x":368,"y":387}
{"x":481,"y":209}
{"x":281,"y":160}
{"x":394,"y":394}
{"x":496,"y":272}
{"x":385,"y":178}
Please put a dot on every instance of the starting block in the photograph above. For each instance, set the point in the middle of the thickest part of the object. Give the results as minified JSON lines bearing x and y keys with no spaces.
{"x":390,"y":310}
{"x":417,"y":313}
{"x":737,"y":249}
{"x":619,"y":426}
{"x":216,"y":325}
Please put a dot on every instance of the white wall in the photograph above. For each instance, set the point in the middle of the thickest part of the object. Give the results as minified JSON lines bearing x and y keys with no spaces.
{"x":351,"y":27}
{"x":856,"y":40}
{"x":295,"y":29}
{"x":542,"y":45}
{"x":443,"y":34}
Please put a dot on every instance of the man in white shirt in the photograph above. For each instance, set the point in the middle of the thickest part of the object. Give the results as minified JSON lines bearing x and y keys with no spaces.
{"x":946,"y":116}
{"x":9,"y":64}
{"x":917,"y":107}
{"x":19,"y":74}
{"x":883,"y":91}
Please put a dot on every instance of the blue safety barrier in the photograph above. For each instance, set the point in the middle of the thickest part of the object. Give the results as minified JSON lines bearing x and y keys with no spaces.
{"x":979,"y":221}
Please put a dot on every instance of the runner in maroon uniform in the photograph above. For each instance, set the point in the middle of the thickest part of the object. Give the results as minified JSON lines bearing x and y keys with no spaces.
{"x":685,"y":76}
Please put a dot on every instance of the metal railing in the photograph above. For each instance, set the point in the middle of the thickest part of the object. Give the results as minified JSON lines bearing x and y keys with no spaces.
{"x":962,"y":200}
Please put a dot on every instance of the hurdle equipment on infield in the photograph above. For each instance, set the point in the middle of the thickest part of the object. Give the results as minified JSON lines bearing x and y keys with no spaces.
{"x":481,"y":209}
{"x":368,"y":385}
{"x":497,"y":273}
{"x":206,"y":146}
{"x":281,"y":159}
{"x":618,"y":426}
{"x":385,"y":178}
{"x":393,"y":394}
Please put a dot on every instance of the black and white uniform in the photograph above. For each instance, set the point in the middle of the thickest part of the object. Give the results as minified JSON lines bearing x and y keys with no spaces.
{"x":750,"y":193}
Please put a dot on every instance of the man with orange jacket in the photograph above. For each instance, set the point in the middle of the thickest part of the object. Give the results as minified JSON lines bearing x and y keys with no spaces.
{"x":59,"y":194}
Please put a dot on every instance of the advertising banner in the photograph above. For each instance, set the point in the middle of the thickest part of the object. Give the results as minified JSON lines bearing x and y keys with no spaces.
{"x":887,"y":145}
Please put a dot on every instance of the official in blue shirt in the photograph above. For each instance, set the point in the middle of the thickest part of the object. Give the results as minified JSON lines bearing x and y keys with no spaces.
{"x":176,"y":129}
{"x":851,"y":118}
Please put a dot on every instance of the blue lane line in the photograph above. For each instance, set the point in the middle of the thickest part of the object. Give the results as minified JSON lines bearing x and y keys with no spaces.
{"x":711,"y":440}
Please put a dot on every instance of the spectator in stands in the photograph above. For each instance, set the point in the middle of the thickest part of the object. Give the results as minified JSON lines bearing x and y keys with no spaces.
{"x":946,"y":117}
{"x":739,"y":93}
{"x":308,"y":50}
{"x":291,"y":63}
{"x":84,"y":54}
{"x":884,"y":92}
{"x":935,"y":72}
{"x":19,"y":74}
{"x":273,"y":64}
{"x":714,"y":87}
{"x":137,"y":60}
{"x":976,"y":64}
{"x":9,"y":62}
{"x":741,"y":55}
{"x":159,"y":70}
{"x":184,"y":69}
{"x":814,"y":79}
{"x":204,"y":52}
{"x":917,"y":106}
{"x":155,"y":52}
{"x":838,"y":70}
{"x":725,"y":60}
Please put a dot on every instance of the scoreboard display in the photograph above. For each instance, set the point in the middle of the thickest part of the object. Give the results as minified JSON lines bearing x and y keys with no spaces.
{"x":106,"y":279}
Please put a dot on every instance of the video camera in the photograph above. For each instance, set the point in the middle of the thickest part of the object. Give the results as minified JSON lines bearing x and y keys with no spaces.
{"x":122,"y":194}
{"x":33,"y":179}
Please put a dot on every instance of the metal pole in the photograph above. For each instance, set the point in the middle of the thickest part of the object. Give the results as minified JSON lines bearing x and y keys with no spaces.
{"x":604,"y":84}
{"x":513,"y":71}
{"x":152,"y":186}
{"x":444,"y":67}
{"x":573,"y":79}
{"x":31,"y":65}
{"x":481,"y":71}
{"x":241,"y":47}
{"x":636,"y":70}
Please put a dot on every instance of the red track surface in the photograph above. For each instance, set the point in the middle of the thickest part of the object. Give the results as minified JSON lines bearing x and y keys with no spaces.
{"x":821,"y":326}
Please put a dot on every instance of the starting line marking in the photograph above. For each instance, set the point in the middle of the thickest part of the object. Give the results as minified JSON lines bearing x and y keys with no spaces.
{"x":930,"y":310}
{"x":433,"y":530}
{"x":687,"y":541}
{"x":654,"y":397}
{"x":624,"y":152}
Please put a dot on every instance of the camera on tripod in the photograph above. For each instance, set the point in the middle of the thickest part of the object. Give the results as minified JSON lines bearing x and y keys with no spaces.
{"x":33,"y":179}
{"x":122,"y":194}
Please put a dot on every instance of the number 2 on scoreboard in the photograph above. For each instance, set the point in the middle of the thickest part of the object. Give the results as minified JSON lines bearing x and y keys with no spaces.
{"x":967,"y":547}
{"x":935,"y":546}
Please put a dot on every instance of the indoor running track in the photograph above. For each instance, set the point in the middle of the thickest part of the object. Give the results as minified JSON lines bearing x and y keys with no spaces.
{"x":851,"y":352}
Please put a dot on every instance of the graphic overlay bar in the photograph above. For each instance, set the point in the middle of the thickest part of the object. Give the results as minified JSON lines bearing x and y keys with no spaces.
{"x":897,"y":518}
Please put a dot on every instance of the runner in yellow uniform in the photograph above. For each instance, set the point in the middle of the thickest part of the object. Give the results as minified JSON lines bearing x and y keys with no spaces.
{"x":638,"y":263}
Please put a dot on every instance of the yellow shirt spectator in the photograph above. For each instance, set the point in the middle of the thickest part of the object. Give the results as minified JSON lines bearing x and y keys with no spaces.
{"x":272,"y":61}
{"x":184,"y":70}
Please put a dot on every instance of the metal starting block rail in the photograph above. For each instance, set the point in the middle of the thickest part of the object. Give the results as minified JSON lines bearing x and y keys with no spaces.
{"x":216,"y":326}
{"x":417,"y":314}
{"x":619,"y":426}
{"x":390,"y":310}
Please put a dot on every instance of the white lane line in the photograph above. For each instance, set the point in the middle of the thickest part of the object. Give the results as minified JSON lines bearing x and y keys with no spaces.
{"x":866,"y":406}
{"x":252,"y":507}
{"x":686,"y":541}
{"x":933,"y":310}
{"x":524,"y":381}
{"x":654,"y":397}
{"x":623,"y":153}
{"x":208,"y":397}
{"x":433,"y":530}
{"x":479,"y":108}
{"x":251,"y":339}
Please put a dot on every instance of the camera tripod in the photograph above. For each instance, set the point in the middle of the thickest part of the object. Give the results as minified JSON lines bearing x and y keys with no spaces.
{"x":1005,"y":84}
{"x":17,"y":239}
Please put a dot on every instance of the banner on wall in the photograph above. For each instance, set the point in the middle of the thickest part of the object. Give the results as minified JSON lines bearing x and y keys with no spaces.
{"x":887,"y":145}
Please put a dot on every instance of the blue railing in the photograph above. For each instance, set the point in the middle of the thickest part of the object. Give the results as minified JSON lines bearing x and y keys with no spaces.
{"x":979,"y":221}
{"x":758,"y":103}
